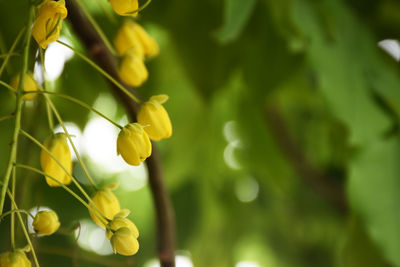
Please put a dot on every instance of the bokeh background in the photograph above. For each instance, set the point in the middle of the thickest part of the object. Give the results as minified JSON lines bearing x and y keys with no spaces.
{"x":285,"y":149}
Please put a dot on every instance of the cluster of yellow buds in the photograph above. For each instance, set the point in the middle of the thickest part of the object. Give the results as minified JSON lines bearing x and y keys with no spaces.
{"x":30,"y":85}
{"x":133,"y":142}
{"x":48,"y":22}
{"x":15,"y":258}
{"x":106,"y":212}
{"x":134,"y":44}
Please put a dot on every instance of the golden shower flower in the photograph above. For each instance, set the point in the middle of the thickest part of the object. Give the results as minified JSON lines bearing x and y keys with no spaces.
{"x":124,"y":242}
{"x":132,"y":70}
{"x":47,"y":26}
{"x":133,"y":144}
{"x":155,"y":118}
{"x":46,"y":222}
{"x":58,"y":146}
{"x":120,"y":221}
{"x":30,"y":85}
{"x":106,"y":202}
{"x":133,"y":36}
{"x":14,"y":259}
{"x":125,"y":7}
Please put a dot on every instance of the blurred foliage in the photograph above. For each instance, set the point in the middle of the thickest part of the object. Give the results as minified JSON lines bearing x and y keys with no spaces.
{"x":224,"y":64}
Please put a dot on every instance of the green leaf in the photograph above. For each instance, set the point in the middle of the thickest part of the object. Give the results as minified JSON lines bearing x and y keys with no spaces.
{"x":236,"y":15}
{"x":374,"y":189}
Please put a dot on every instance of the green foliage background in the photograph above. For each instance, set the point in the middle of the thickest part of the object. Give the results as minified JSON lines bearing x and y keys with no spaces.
{"x":315,"y":61}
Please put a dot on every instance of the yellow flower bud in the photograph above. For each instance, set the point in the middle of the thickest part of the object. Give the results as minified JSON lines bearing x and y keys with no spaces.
{"x":107,"y":203}
{"x":133,"y":144}
{"x":29,"y":86}
{"x":125,"y":7}
{"x":132,"y":69}
{"x":124,"y":242}
{"x":155,"y":118}
{"x":14,"y":259}
{"x":132,"y":35}
{"x":58,"y":146}
{"x":120,"y":221}
{"x":46,"y":222}
{"x":47,"y":26}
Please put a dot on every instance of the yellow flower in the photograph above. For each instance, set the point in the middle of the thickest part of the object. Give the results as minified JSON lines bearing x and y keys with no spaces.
{"x":132,"y":69}
{"x":155,"y":118}
{"x":133,"y":144}
{"x":14,"y":259}
{"x":107,"y":203}
{"x":46,"y":222}
{"x":125,"y":7}
{"x":132,"y":35}
{"x":47,"y":26}
{"x":58,"y":146}
{"x":29,"y":86}
{"x":124,"y":242}
{"x":120,"y":221}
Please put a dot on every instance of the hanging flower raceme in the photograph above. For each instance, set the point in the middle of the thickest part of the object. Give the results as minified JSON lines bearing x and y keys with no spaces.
{"x":58,"y":146}
{"x":153,"y":115}
{"x":133,"y":144}
{"x":46,"y":222}
{"x":120,"y":221}
{"x":106,"y":202}
{"x":30,"y":85}
{"x":48,"y":22}
{"x":133,"y":36}
{"x":124,"y":242}
{"x":125,"y":7}
{"x":14,"y":259}
{"x":132,"y":70}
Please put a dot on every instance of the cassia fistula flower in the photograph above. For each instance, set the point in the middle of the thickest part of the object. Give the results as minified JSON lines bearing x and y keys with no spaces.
{"x":125,"y":7}
{"x":155,"y":118}
{"x":133,"y":36}
{"x":58,"y":146}
{"x":46,"y":222}
{"x":120,"y":221}
{"x":124,"y":242}
{"x":133,"y":144}
{"x":30,"y":85}
{"x":14,"y":259}
{"x":106,"y":202}
{"x":132,"y":70}
{"x":47,"y":26}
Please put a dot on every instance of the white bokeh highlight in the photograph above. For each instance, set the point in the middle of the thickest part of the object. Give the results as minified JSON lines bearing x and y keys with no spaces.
{"x":392,"y":47}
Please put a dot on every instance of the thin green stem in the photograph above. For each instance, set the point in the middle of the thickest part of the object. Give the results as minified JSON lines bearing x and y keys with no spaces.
{"x":12,"y":223}
{"x":9,"y":87}
{"x":6,"y":117}
{"x":8,"y":54}
{"x":28,"y":239}
{"x":18,"y":113}
{"x":11,"y":212}
{"x":34,"y":140}
{"x":83,"y":104}
{"x":140,"y":8}
{"x":48,"y":110}
{"x":108,"y":76}
{"x":53,"y":108}
{"x":98,"y":215}
{"x":96,"y":27}
{"x":5,"y":62}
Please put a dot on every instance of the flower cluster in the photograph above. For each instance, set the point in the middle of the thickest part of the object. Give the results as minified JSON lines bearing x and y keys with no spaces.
{"x":134,"y":45}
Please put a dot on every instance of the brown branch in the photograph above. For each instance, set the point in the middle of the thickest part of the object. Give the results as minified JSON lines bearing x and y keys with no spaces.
{"x":323,"y":184}
{"x":163,"y":207}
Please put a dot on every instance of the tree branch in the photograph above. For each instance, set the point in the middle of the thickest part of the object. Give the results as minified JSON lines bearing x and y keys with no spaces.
{"x":163,"y":207}
{"x":323,"y":184}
